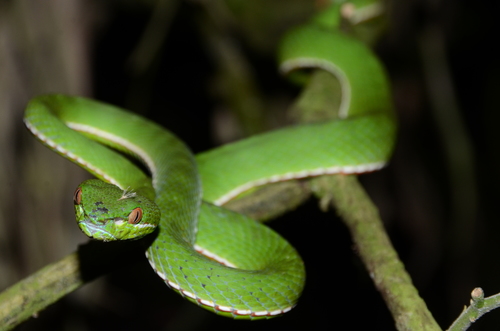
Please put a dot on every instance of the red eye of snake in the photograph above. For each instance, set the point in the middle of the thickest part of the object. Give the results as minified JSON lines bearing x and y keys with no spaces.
{"x":135,"y":216}
{"x":77,"y":197}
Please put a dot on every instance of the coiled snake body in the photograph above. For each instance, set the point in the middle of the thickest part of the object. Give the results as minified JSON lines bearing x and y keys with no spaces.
{"x":250,"y":271}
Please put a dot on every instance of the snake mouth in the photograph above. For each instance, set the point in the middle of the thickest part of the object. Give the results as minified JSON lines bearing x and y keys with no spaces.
{"x":95,"y":232}
{"x":88,"y":226}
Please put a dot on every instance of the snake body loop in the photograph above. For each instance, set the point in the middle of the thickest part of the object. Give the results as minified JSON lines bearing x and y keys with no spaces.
{"x":220,"y":260}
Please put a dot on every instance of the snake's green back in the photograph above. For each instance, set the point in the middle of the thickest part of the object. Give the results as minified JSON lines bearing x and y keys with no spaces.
{"x":273,"y":273}
{"x":265,"y":276}
{"x":355,"y":145}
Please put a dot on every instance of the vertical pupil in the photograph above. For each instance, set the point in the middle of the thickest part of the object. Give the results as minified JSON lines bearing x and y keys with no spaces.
{"x":135,"y":216}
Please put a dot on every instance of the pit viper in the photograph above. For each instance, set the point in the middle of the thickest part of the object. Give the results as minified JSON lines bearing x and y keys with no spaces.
{"x":218,"y":259}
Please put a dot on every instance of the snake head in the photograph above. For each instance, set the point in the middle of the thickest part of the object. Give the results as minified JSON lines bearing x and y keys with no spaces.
{"x":106,"y":212}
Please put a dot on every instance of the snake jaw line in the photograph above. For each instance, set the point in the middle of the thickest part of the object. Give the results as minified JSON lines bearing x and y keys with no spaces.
{"x":145,"y":225}
{"x":96,"y":233}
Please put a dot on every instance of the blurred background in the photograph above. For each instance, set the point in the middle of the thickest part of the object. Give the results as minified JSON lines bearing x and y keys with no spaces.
{"x":206,"y":70}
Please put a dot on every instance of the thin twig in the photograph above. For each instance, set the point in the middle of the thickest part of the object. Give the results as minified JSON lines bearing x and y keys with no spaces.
{"x":478,"y":307}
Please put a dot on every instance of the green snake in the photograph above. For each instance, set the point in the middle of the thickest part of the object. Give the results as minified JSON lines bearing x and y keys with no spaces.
{"x":218,"y":259}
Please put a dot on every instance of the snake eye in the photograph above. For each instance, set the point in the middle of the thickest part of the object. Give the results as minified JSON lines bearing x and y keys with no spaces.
{"x":135,"y":216}
{"x":77,"y":197}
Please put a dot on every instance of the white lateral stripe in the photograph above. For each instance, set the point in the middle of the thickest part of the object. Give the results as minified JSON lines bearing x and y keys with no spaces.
{"x":189,"y":294}
{"x":306,"y":62}
{"x":260,"y":313}
{"x":172,"y":284}
{"x":356,"y":169}
{"x":209,"y":303}
{"x":161,"y":274}
{"x":119,"y":141}
{"x":224,"y":309}
{"x":52,"y":144}
{"x":206,"y":303}
{"x":148,"y":161}
{"x":145,"y":225}
{"x":243,"y":312}
{"x":213,"y":256}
